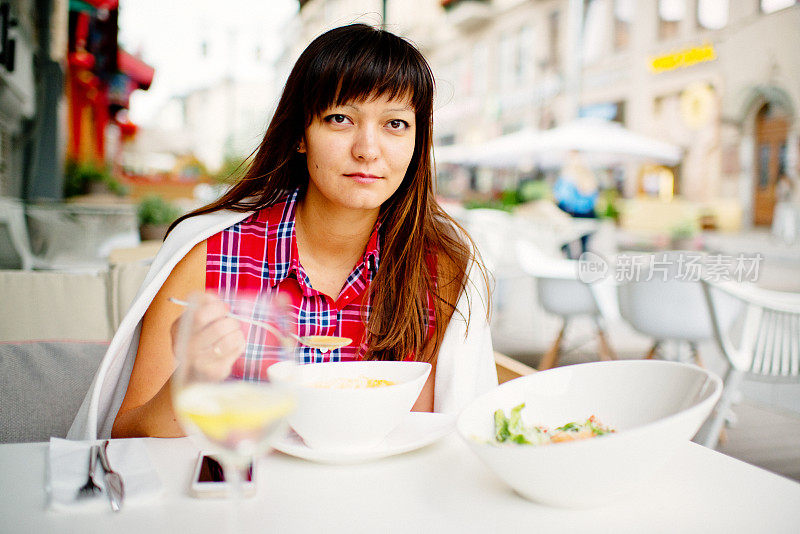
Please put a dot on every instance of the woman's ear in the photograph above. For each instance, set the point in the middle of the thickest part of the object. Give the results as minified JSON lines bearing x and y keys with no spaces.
{"x":301,"y":146}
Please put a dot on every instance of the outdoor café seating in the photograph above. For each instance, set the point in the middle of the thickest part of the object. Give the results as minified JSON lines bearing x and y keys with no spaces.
{"x":560,"y":292}
{"x":758,"y":331}
{"x":658,"y":304}
{"x":49,"y":353}
{"x":54,"y":329}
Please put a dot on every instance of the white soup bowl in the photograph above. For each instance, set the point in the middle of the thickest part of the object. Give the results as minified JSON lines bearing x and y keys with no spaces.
{"x":349,"y":419}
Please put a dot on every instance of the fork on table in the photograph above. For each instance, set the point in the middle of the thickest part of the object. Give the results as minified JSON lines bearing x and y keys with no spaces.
{"x":90,"y":488}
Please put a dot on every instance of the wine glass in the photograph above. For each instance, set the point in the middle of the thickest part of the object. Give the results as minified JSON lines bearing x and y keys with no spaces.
{"x":221,"y":394}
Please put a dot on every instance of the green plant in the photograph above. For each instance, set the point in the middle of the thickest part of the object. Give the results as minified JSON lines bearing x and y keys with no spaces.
{"x":530,"y":190}
{"x":157,"y":211}
{"x":684,"y":230}
{"x":80,"y":175}
{"x":606,"y":206}
{"x":527,"y":191}
{"x":490,"y":204}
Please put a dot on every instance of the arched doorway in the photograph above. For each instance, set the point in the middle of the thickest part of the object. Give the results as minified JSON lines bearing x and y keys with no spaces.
{"x":771,"y":131}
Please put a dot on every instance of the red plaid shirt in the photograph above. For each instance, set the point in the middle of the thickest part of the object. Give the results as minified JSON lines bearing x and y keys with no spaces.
{"x":259,"y":254}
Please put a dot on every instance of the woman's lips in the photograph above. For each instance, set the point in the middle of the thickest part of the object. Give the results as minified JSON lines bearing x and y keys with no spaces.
{"x":363,"y":178}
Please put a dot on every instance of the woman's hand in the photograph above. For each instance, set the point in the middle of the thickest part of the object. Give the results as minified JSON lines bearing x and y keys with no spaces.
{"x":216,"y":340}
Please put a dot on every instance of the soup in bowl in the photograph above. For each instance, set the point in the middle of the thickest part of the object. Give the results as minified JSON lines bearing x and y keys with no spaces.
{"x":350,"y":406}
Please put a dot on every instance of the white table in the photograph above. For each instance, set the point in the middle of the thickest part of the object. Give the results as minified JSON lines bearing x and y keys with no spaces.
{"x":441,"y":488}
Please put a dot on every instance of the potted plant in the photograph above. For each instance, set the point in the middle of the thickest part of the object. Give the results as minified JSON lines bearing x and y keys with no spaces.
{"x":155,"y":214}
{"x":685,"y":236}
{"x":607,"y":206}
{"x":86,"y":177}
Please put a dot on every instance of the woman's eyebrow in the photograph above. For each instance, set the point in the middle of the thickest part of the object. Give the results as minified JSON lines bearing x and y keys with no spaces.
{"x":393,"y":110}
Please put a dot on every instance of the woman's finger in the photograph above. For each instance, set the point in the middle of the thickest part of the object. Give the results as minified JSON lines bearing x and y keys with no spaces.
{"x":230,"y":346}
{"x":214,"y":360}
{"x":216,"y":340}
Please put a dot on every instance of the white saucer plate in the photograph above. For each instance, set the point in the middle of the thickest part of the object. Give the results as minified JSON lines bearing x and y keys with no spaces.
{"x":417,"y":430}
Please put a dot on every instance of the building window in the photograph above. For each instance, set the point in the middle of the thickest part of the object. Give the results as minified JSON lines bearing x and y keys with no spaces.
{"x":595,"y":30}
{"x":507,"y":60}
{"x":670,"y":15}
{"x":447,"y":139}
{"x":526,"y":58}
{"x":712,"y":14}
{"x":771,"y":6}
{"x":554,"y":38}
{"x":623,"y":16}
{"x":462,"y":83}
{"x":5,"y":153}
{"x":480,"y":66}
{"x":511,"y":127}
{"x":608,"y":111}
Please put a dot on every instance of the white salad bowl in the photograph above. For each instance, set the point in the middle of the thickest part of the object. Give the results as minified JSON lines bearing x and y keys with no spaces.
{"x":349,"y":419}
{"x":653,"y":406}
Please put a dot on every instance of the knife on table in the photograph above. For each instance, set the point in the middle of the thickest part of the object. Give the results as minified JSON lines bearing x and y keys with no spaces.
{"x":114,"y":487}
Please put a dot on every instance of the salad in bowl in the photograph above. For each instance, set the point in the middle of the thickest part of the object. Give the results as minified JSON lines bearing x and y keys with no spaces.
{"x":539,"y":435}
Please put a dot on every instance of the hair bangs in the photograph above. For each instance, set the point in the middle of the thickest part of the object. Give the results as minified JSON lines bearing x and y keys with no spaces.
{"x":369,"y":64}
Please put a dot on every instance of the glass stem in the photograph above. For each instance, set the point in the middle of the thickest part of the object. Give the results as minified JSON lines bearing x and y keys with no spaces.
{"x":233,"y":474}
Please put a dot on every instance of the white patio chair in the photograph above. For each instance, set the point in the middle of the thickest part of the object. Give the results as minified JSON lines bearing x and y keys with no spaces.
{"x":492,"y":231}
{"x":758,"y":331}
{"x":661,"y":303}
{"x":560,"y":292}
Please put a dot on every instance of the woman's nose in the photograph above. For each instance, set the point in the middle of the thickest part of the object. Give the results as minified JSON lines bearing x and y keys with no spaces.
{"x":365,"y":144}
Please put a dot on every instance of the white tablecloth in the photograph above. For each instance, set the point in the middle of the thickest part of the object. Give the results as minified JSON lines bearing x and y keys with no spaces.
{"x":441,"y":488}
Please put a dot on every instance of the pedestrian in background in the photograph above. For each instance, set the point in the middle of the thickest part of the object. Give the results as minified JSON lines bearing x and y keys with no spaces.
{"x":576,"y":192}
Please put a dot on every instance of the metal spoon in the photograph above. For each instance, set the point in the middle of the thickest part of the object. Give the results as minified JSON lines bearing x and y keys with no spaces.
{"x":321,"y":343}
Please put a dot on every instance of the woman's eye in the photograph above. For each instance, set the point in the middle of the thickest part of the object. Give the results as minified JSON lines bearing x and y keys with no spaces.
{"x":398,"y":124}
{"x":336,"y":118}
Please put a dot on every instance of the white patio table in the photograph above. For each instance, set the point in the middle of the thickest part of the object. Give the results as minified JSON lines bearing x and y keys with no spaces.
{"x":440,"y":488}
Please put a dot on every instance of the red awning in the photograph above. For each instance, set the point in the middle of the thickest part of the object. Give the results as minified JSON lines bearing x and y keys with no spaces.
{"x":104,"y":4}
{"x":136,"y":69}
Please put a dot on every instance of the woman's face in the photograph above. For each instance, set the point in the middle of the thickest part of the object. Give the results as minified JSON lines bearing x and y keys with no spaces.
{"x":358,"y":153}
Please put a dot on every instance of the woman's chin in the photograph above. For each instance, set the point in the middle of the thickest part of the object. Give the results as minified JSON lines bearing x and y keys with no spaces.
{"x":362,"y":198}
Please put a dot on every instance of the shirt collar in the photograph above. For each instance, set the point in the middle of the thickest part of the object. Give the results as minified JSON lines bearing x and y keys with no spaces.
{"x":281,"y":243}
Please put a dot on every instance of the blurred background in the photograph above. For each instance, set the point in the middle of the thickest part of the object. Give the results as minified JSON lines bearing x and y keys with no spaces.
{"x":693,"y":103}
{"x":676,"y":119}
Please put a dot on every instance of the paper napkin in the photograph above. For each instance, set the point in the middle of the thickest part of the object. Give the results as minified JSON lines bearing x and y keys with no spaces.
{"x":68,"y":468}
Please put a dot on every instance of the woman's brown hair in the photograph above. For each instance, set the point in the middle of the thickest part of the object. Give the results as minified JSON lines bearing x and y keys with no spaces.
{"x":356,"y":63}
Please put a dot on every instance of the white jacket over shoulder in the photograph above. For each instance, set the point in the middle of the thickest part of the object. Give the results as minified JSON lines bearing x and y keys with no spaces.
{"x":465,"y":365}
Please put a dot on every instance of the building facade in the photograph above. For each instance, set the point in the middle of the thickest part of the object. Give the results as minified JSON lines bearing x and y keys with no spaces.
{"x":224,"y":120}
{"x":32,"y":51}
{"x":219,"y":110}
{"x":720,"y":78}
{"x":100,"y":78}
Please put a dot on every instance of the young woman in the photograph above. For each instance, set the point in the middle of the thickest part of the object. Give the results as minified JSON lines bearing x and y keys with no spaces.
{"x":336,"y":211}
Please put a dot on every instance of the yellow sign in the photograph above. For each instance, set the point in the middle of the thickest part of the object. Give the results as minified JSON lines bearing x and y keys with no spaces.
{"x":683,"y":58}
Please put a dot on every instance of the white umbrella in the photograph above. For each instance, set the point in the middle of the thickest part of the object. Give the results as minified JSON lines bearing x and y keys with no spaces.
{"x":454,"y":154}
{"x":603,"y":143}
{"x":505,"y":151}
